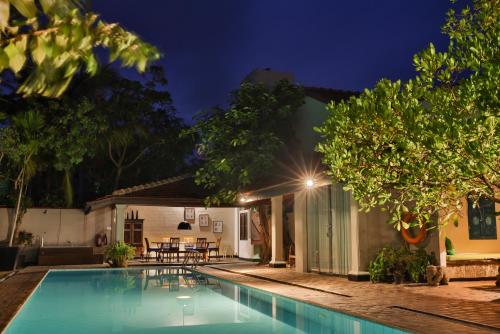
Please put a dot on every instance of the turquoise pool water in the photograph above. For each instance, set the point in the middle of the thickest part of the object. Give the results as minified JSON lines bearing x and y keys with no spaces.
{"x":169,"y":300}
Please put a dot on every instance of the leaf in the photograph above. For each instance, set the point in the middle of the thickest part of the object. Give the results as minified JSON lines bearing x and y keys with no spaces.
{"x":16,"y":53}
{"x":37,"y":52}
{"x":4,"y":14}
{"x":47,"y":5}
{"x":4,"y":60}
{"x":27,"y":8}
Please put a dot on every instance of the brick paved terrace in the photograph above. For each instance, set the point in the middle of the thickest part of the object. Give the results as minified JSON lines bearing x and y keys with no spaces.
{"x":461,"y":307}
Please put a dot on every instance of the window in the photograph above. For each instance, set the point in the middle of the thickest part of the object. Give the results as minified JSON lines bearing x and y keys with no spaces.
{"x":482,"y":219}
{"x":244,"y":226}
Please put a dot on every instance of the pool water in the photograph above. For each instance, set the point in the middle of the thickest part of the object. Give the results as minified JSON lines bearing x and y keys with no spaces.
{"x":169,"y":300}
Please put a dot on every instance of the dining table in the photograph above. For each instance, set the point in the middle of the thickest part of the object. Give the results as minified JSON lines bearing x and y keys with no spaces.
{"x":184,"y":247}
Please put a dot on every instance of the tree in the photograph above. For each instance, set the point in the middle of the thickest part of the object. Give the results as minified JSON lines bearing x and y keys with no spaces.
{"x":425,"y":144}
{"x":142,"y":135}
{"x":241,"y":144}
{"x":45,"y":43}
{"x":54,"y":39}
{"x":81,"y":128}
{"x":20,"y":146}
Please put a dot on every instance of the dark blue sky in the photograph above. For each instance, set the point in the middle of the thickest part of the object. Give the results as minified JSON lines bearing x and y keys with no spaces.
{"x":209,"y":46}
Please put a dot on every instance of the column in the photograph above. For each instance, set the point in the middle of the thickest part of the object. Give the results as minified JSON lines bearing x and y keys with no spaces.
{"x":354,"y":271}
{"x":299,"y":211}
{"x":120,"y":222}
{"x":277,"y":232}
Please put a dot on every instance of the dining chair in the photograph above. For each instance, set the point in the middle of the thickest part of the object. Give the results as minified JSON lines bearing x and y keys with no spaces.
{"x":150,"y":249}
{"x":214,"y":248}
{"x":202,"y":247}
{"x":174,"y":247}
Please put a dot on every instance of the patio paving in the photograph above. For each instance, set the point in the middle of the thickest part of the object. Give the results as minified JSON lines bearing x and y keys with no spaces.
{"x":461,"y":307}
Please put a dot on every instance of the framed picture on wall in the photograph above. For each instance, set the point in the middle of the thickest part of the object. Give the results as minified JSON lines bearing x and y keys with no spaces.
{"x":217,"y":226}
{"x":189,"y":214}
{"x":203,"y":219}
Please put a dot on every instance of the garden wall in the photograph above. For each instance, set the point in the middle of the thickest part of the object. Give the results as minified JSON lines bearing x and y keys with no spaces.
{"x":58,"y":227}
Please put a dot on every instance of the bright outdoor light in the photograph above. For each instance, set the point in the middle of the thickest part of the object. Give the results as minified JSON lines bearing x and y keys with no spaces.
{"x":242,"y":200}
{"x":309,"y":183}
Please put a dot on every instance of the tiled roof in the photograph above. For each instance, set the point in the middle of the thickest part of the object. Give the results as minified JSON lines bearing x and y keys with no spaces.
{"x":129,"y":190}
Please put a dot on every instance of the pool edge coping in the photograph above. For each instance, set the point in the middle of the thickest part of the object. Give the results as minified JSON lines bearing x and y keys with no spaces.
{"x":20,"y":307}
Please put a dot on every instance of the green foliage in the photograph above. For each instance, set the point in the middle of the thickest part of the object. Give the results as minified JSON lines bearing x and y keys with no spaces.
{"x":57,"y":38}
{"x":383,"y":264}
{"x":141,"y":139}
{"x":450,"y":250}
{"x":427,"y":143}
{"x":55,"y":134}
{"x":240,"y":144}
{"x":119,"y":252}
{"x":401,"y":262}
{"x":417,"y":264}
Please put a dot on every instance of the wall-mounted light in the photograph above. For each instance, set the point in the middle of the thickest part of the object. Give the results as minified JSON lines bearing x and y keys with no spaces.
{"x":309,"y":183}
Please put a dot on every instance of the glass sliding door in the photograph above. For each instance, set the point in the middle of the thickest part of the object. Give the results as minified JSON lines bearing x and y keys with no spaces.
{"x":341,"y":234}
{"x":328,"y":233}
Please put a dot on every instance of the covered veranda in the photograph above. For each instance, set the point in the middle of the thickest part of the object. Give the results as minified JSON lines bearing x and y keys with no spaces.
{"x":167,"y":222}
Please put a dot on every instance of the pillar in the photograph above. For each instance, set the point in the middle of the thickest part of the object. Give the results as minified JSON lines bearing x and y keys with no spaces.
{"x":119,"y":222}
{"x":299,"y":211}
{"x":354,"y":270}
{"x":277,"y":259}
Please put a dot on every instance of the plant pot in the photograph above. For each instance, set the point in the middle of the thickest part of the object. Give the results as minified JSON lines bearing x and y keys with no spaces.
{"x":8,"y":258}
{"x":120,"y":263}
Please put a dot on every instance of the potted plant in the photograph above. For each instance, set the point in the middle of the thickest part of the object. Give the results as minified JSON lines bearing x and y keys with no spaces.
{"x":450,"y":250}
{"x":119,"y":253}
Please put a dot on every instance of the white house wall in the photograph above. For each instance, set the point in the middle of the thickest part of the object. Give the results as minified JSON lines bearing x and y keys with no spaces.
{"x":161,"y":222}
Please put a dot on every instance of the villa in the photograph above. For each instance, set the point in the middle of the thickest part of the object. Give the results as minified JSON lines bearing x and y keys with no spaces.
{"x":314,"y":225}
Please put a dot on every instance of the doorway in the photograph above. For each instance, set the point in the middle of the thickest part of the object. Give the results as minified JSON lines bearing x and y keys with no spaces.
{"x":328,"y":230}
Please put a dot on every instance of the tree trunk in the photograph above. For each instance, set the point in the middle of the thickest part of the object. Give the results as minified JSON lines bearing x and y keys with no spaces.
{"x":17,"y":214}
{"x":262,"y":226}
{"x":117,"y":177}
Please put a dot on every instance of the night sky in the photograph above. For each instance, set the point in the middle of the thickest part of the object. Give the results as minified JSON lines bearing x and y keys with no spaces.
{"x":209,"y":46}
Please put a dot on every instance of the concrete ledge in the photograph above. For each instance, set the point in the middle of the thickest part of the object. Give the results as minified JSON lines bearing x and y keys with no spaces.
{"x":472,"y":269}
{"x":358,"y":277}
{"x":277,"y":264}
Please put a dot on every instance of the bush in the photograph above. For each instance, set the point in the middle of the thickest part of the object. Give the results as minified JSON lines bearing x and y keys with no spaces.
{"x":396,"y":264}
{"x":119,"y":253}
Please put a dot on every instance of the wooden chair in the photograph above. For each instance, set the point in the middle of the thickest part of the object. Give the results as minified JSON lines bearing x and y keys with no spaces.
{"x":215,"y":248}
{"x":150,"y":249}
{"x":174,"y":247}
{"x":202,"y":247}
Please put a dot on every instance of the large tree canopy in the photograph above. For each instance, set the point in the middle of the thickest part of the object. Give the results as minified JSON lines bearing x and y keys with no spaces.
{"x":425,"y":144}
{"x":54,"y":39}
{"x":239,"y":145}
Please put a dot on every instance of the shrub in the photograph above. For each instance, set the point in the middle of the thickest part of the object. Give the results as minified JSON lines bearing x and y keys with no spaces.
{"x":391,"y":263}
{"x":119,"y":252}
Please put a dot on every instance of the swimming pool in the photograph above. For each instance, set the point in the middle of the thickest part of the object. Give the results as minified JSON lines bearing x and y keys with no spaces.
{"x":169,"y":300}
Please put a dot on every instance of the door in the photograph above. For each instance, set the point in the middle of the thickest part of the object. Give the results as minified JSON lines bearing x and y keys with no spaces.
{"x":328,"y":230}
